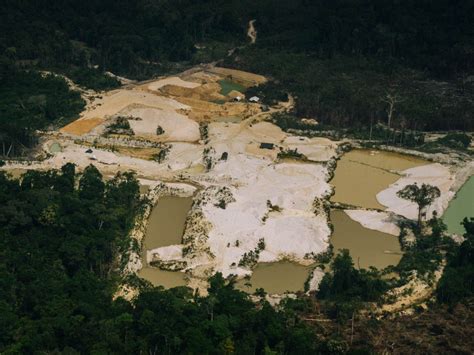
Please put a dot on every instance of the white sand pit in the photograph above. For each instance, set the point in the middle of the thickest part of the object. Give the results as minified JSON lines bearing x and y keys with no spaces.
{"x":290,"y":232}
{"x":177,"y":127}
{"x":433,"y":174}
{"x":315,"y":149}
{"x":174,"y":80}
{"x":379,"y":221}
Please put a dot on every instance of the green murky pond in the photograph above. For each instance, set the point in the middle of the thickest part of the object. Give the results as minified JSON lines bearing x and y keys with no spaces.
{"x":367,"y":247}
{"x":461,"y":206}
{"x":165,"y":227}
{"x":361,"y":174}
{"x":228,"y":85}
{"x":55,"y":148}
{"x":276,"y":278}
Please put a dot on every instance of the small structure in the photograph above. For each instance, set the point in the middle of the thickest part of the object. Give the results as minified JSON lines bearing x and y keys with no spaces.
{"x":254,"y":99}
{"x":224,"y":156}
{"x":237,"y":98}
{"x":265,"y":108}
{"x":267,"y":146}
{"x":89,"y":151}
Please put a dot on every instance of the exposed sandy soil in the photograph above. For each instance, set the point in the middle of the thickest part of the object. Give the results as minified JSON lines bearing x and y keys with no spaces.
{"x":112,"y":103}
{"x":82,"y":126}
{"x":252,"y":32}
{"x":252,"y":177}
{"x":176,"y":81}
{"x":176,"y":126}
{"x":379,"y":221}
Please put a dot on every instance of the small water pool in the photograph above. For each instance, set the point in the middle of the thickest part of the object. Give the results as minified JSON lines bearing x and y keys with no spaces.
{"x":165,"y":227}
{"x":276,"y":278}
{"x":227,"y":86}
{"x":166,"y":223}
{"x":55,"y":148}
{"x":167,"y":279}
{"x":460,"y":207}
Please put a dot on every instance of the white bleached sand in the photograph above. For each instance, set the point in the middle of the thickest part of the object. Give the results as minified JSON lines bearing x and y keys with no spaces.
{"x":379,"y":221}
{"x":290,"y":231}
{"x":177,"y":127}
{"x":174,"y":80}
{"x":433,"y":174}
{"x":315,"y":149}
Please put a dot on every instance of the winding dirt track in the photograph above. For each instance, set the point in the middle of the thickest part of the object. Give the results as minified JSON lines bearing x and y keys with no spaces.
{"x":252,"y":32}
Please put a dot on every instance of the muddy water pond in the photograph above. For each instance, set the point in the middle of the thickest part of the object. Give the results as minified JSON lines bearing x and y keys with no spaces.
{"x":165,"y":227}
{"x":166,"y":223}
{"x":461,"y":206}
{"x":276,"y":278}
{"x":227,"y":86}
{"x":367,"y":247}
{"x":361,"y":174}
{"x":167,"y":279}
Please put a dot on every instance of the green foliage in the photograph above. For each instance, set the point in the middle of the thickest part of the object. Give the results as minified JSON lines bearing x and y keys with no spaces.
{"x":92,"y":79}
{"x":162,"y":154}
{"x":457,"y":281}
{"x":423,"y":196}
{"x":345,"y":283}
{"x":120,"y":126}
{"x":30,"y":101}
{"x":159,"y":131}
{"x":425,"y":255}
{"x":58,"y":248}
{"x":290,"y":153}
{"x":348,"y":91}
{"x":455,"y":140}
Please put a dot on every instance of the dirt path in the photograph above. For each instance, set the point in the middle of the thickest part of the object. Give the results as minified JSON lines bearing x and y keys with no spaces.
{"x":252,"y":32}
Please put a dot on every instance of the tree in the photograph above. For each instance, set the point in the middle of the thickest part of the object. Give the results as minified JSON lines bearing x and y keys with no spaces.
{"x":423,"y":196}
{"x":91,"y":185}
{"x":391,"y":99}
{"x":457,"y":281}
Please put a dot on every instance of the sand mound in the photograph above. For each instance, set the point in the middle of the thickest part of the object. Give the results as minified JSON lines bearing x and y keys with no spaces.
{"x":177,"y":127}
{"x":114,"y":102}
{"x":174,"y":80}
{"x":207,"y":92}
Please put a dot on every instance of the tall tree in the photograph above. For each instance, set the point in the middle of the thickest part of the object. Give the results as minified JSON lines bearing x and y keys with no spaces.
{"x":423,"y":196}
